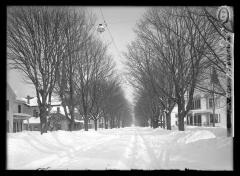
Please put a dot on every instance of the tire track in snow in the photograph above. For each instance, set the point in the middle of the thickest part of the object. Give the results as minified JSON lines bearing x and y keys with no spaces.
{"x":138,"y":155}
{"x":153,"y":164}
{"x":58,"y":159}
{"x":126,"y":161}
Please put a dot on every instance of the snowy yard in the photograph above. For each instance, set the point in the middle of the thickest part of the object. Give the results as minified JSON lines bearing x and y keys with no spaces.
{"x":121,"y":149}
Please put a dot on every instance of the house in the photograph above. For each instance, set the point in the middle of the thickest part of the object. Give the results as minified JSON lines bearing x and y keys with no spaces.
{"x":23,"y":114}
{"x":32,"y":124}
{"x":17,"y":112}
{"x":201,"y":113}
{"x":56,"y":113}
{"x":58,"y":121}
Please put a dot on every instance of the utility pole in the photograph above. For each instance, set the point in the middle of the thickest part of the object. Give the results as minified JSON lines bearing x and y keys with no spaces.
{"x":213,"y":97}
{"x":224,"y":15}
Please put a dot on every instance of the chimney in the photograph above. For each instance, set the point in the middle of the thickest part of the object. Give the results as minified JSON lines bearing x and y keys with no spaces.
{"x":28,"y":99}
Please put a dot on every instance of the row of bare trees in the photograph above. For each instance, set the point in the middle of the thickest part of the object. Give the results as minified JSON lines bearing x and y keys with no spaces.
{"x":58,"y":51}
{"x":171,"y":57}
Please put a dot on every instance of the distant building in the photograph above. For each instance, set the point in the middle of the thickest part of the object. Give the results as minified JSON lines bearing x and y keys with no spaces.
{"x":57,"y":114}
{"x":17,"y":111}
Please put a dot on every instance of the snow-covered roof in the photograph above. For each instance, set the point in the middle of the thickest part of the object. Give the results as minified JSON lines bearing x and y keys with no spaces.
{"x":61,"y":109}
{"x":20,"y":100}
{"x":21,"y":114}
{"x":32,"y":120}
{"x":37,"y":120}
{"x":80,"y":121}
{"x":200,"y":111}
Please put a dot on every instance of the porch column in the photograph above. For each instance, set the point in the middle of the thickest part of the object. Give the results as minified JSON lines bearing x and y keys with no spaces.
{"x":209,"y":120}
{"x":22,"y":125}
{"x":28,"y":124}
{"x":193,"y":119}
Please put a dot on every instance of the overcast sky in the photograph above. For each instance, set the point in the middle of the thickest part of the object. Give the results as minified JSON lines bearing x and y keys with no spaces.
{"x":121,"y":21}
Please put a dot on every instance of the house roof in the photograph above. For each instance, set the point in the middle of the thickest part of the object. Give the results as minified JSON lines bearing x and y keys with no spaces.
{"x":200,"y":111}
{"x":36,"y":120}
{"x":80,"y":121}
{"x":32,"y":120}
{"x":10,"y":88}
{"x":20,"y":116}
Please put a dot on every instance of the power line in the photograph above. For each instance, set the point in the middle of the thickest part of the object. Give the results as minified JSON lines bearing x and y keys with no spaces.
{"x":110,"y":35}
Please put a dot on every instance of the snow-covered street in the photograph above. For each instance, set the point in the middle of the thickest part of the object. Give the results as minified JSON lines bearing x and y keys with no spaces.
{"x":124,"y":149}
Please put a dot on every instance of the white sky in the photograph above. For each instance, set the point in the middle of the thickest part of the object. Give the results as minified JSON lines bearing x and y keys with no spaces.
{"x":120,"y":20}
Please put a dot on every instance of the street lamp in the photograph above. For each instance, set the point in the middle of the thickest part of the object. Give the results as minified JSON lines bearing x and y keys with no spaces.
{"x":100,"y":28}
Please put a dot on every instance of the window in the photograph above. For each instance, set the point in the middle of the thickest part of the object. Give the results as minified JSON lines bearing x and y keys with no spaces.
{"x":19,"y":109}
{"x":196,"y":104}
{"x":210,"y":103}
{"x":7,"y":105}
{"x":35,"y":113}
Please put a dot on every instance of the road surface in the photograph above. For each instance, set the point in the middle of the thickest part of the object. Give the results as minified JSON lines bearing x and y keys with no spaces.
{"x":126,"y":149}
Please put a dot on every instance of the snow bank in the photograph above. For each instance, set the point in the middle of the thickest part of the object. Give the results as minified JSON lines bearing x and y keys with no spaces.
{"x":194,"y":136}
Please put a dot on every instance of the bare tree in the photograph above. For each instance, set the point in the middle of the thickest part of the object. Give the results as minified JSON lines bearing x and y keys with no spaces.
{"x":103,"y":73}
{"x":78,"y":29}
{"x":179,"y":50}
{"x":93,"y":65}
{"x":220,"y":60}
{"x":151,"y":75}
{"x":35,"y":46}
{"x":110,"y":88}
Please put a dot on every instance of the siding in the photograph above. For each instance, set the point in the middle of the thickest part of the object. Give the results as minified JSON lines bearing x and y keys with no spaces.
{"x":11,"y":97}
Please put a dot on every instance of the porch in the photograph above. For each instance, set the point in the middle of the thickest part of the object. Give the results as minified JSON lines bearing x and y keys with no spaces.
{"x":200,"y":118}
{"x":18,"y":119}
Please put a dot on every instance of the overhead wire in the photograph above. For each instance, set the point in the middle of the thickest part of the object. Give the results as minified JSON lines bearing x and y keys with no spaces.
{"x":110,"y":34}
{"x":118,"y":52}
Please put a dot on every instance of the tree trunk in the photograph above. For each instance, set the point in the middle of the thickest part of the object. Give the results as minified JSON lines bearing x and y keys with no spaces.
{"x":161,"y":120}
{"x":155,"y":122}
{"x":65,"y":112}
{"x":118,"y":122}
{"x":85,"y":123}
{"x":105,"y":123}
{"x":151,"y":122}
{"x":213,"y":106}
{"x":168,"y":119}
{"x":180,"y":122}
{"x":164,"y":122}
{"x":43,"y":119}
{"x":229,"y":114}
{"x":72,"y":118}
{"x":95,"y":124}
{"x":72,"y":125}
{"x":111,"y":123}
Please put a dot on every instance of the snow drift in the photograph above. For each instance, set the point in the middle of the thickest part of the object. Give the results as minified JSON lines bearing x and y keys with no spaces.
{"x":122,"y":149}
